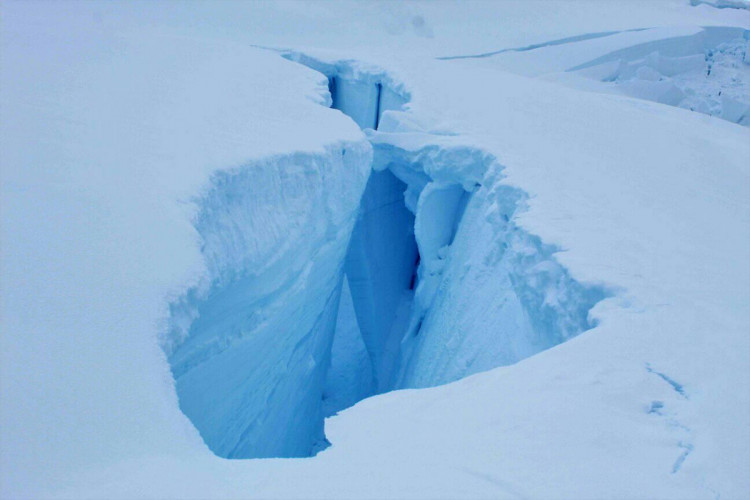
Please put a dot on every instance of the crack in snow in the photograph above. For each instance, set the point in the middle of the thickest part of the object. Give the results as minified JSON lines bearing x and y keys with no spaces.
{"x":678,"y":388}
{"x":533,"y":46}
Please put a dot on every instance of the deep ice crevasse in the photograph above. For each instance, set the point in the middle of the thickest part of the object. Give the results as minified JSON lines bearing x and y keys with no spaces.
{"x":439,"y":281}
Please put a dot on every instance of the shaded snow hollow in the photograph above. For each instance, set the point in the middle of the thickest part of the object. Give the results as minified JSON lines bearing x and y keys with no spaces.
{"x":367,"y":285}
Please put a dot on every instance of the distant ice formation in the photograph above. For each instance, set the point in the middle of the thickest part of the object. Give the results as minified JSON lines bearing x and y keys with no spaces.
{"x":708,"y":72}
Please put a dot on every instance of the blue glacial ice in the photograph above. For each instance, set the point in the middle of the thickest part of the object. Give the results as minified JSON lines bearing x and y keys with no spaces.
{"x":340,"y":275}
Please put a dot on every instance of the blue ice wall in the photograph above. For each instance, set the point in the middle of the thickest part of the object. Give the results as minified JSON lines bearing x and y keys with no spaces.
{"x":364,"y":99}
{"x":380,"y":266}
{"x":489,"y":293}
{"x":382,"y":253}
{"x":357,"y":99}
{"x":350,"y":376}
{"x":439,"y":212}
{"x":501,"y":297}
{"x":262,"y":396}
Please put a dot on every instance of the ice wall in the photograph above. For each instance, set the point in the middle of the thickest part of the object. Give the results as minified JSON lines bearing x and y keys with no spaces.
{"x":498,"y":296}
{"x":382,"y":254}
{"x":350,"y":376}
{"x":250,"y":347}
{"x":380,"y":267}
{"x":489,"y":293}
{"x":443,"y":282}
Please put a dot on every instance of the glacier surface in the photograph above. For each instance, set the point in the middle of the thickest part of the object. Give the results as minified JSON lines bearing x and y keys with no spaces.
{"x":200,"y":257}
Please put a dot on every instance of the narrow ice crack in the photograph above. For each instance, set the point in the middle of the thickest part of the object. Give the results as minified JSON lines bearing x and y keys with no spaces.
{"x":687,"y":450}
{"x":657,"y":408}
{"x":678,"y":388}
{"x":533,"y":46}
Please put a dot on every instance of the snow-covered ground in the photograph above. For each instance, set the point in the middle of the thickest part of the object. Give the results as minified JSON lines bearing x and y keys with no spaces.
{"x":200,"y":257}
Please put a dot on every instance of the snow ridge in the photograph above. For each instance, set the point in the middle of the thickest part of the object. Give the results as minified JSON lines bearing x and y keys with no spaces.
{"x":551,"y":43}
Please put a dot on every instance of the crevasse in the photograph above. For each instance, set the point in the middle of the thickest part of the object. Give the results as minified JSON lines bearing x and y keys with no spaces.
{"x":337,"y":276}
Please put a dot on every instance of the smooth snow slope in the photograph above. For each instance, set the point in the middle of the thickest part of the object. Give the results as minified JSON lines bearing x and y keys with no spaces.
{"x":109,"y":131}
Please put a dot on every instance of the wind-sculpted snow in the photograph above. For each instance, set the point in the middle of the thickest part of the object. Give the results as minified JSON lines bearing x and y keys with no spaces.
{"x":250,"y":349}
{"x":724,"y":4}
